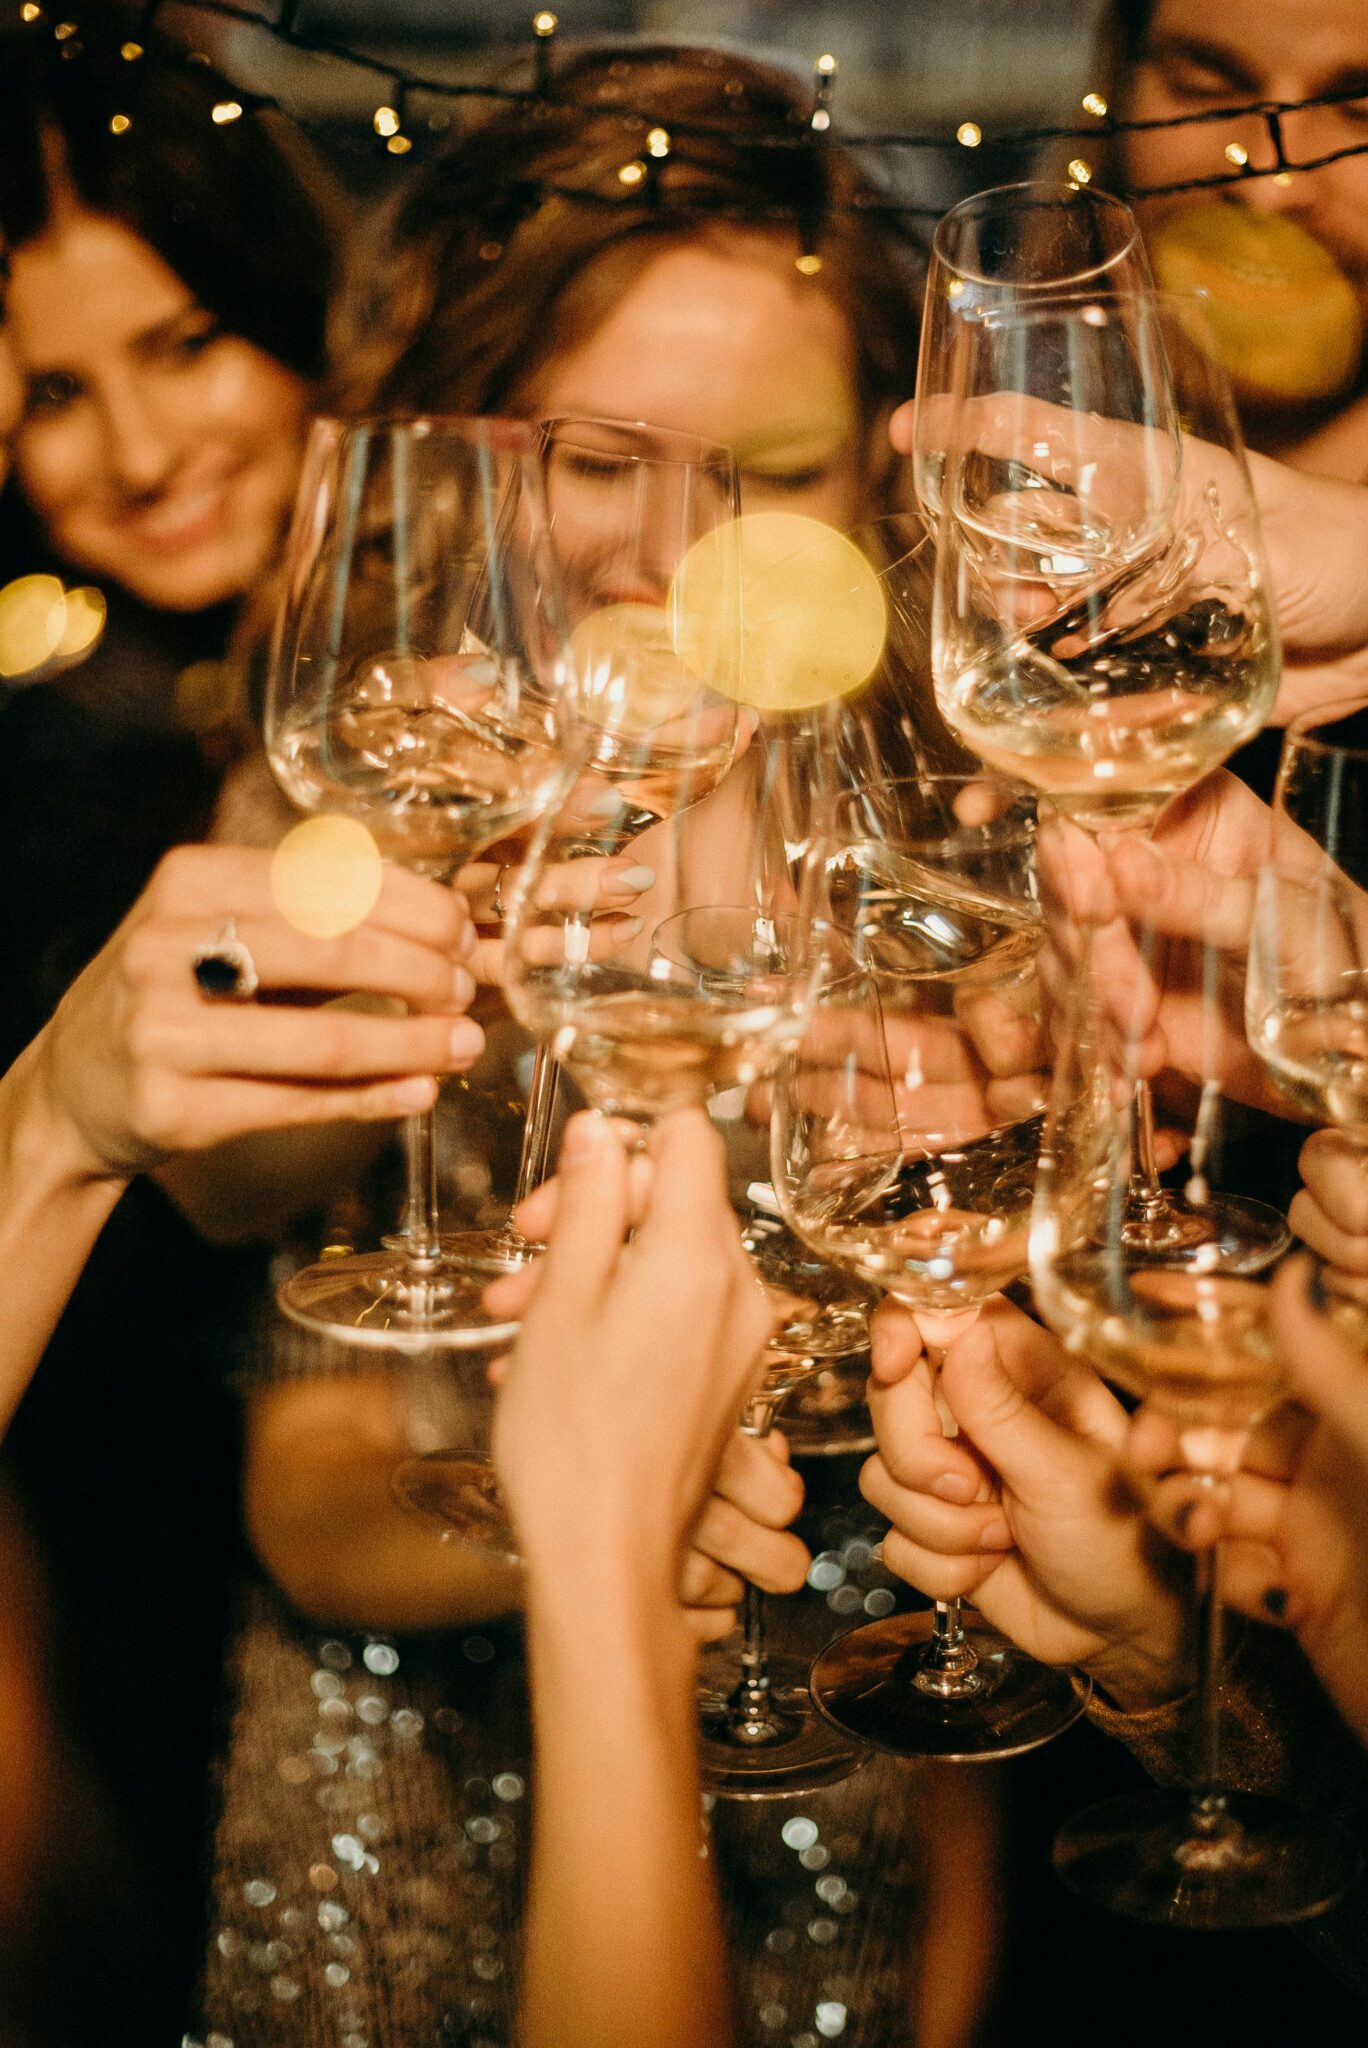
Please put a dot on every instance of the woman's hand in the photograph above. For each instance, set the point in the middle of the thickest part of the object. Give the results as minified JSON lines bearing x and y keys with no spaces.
{"x":632,"y":1367}
{"x":606,"y":890}
{"x":142,"y":1065}
{"x":1293,"y":1523}
{"x":1025,"y":1511}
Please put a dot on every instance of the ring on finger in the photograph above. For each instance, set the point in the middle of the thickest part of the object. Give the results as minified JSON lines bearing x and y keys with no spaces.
{"x":224,"y":969}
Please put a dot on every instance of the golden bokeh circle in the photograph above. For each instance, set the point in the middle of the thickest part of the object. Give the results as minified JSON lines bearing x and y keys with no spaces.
{"x":812,"y":610}
{"x":326,"y":876}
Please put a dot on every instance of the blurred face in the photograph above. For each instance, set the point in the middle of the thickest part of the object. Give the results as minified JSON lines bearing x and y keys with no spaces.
{"x":725,"y":340}
{"x":1199,"y":56}
{"x":159,"y":451}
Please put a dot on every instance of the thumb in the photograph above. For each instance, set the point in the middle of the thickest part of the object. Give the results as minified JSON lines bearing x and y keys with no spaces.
{"x":999,"y":1379}
{"x":591,"y":1216}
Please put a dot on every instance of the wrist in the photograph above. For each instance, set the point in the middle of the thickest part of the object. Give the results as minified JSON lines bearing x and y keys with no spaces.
{"x":1135,"y":1680}
{"x":46,"y":1153}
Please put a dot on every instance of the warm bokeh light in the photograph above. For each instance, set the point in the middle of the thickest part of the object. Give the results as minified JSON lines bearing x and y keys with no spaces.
{"x":83,"y":623}
{"x":813,"y":615}
{"x":631,"y":679}
{"x":32,"y":621}
{"x":326,"y":876}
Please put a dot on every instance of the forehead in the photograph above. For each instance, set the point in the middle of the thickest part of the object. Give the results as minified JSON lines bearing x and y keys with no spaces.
{"x":85,"y":287}
{"x":1312,"y":35}
{"x":721,"y":338}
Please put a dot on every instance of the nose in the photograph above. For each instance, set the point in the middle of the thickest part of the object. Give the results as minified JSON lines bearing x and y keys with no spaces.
{"x":140,"y":448}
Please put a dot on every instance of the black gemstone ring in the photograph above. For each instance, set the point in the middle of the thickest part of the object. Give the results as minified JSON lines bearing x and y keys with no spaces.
{"x":224,"y":969}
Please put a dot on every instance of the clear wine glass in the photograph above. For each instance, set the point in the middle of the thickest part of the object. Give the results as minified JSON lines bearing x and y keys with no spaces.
{"x":1013,"y":249}
{"x":639,"y":1034}
{"x":761,"y":1737}
{"x":420,"y":682}
{"x":1307,"y":991}
{"x":1190,"y":1337}
{"x":905,"y":1135}
{"x":448,"y":1477}
{"x":626,"y":503}
{"x":1102,"y":625}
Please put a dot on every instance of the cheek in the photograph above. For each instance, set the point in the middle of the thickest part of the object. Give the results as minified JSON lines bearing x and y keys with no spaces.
{"x":249,"y":404}
{"x":60,"y":465}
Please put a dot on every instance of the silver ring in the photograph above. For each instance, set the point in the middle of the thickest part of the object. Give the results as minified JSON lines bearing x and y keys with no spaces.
{"x":496,"y":902}
{"x":224,"y":970}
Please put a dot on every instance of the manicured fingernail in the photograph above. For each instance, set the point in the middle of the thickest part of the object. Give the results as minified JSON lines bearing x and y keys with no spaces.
{"x":625,"y":928}
{"x":996,"y":1535}
{"x":467,"y":1040}
{"x":419,"y":1093}
{"x":636,"y":879}
{"x":954,"y":1486}
{"x":1275,"y":1600}
{"x":463,"y":986}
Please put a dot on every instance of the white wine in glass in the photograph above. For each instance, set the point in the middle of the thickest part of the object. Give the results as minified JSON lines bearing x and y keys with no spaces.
{"x":420,"y":683}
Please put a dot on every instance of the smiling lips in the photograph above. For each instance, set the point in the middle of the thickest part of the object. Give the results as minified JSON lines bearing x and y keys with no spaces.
{"x":181,"y":521}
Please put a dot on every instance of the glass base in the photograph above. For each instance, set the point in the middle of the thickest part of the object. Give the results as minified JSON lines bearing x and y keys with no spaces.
{"x":461,"y":1497}
{"x":865,"y":1682}
{"x":1224,"y":1234}
{"x":802,"y":1753}
{"x":826,"y":1415}
{"x":1262,"y":1864}
{"x":489,"y":1252}
{"x":380,"y":1300}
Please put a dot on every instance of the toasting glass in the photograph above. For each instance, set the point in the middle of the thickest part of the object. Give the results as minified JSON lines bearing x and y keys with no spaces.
{"x":1187,"y":1333}
{"x":421,"y":683}
{"x":1103,"y":627}
{"x":905,"y":1135}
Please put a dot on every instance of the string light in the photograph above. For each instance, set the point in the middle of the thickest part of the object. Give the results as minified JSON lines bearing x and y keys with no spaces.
{"x":224,"y":112}
{"x":399,"y":145}
{"x":385,"y":121}
{"x":119,"y":124}
{"x":809,"y":263}
{"x":968,"y":135}
{"x":658,"y":142}
{"x":632,"y":174}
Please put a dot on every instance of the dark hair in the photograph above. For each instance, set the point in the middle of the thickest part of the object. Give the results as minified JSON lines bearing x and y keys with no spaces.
{"x":234,"y":208}
{"x":1131,"y":23}
{"x":475,"y":285}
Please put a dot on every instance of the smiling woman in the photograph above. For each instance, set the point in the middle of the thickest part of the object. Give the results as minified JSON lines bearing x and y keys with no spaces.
{"x":164,"y":319}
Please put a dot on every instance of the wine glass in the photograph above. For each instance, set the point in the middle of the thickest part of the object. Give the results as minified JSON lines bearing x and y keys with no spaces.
{"x":1012,"y":249}
{"x":626,"y":503}
{"x":1102,"y":624}
{"x":1191,"y":1338}
{"x":1307,"y":992}
{"x":448,"y":1477}
{"x":905,"y":1134}
{"x":638,"y":1033}
{"x":761,"y":1737}
{"x":420,"y":682}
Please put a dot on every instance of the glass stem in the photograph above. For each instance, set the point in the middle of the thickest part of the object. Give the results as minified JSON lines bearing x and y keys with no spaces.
{"x":541,"y":1109}
{"x":1146,"y":1195}
{"x":1209,"y":1815}
{"x":751,"y":1706}
{"x":420,"y":1214}
{"x":948,"y":1666}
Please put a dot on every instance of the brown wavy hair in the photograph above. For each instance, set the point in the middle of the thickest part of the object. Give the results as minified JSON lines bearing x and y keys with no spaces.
{"x":485,"y":268}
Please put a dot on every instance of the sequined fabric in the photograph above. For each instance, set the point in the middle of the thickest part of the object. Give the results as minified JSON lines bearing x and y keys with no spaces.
{"x":373,"y":1842}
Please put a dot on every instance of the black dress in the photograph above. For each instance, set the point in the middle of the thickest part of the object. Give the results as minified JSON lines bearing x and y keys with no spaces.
{"x":125,"y":1452}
